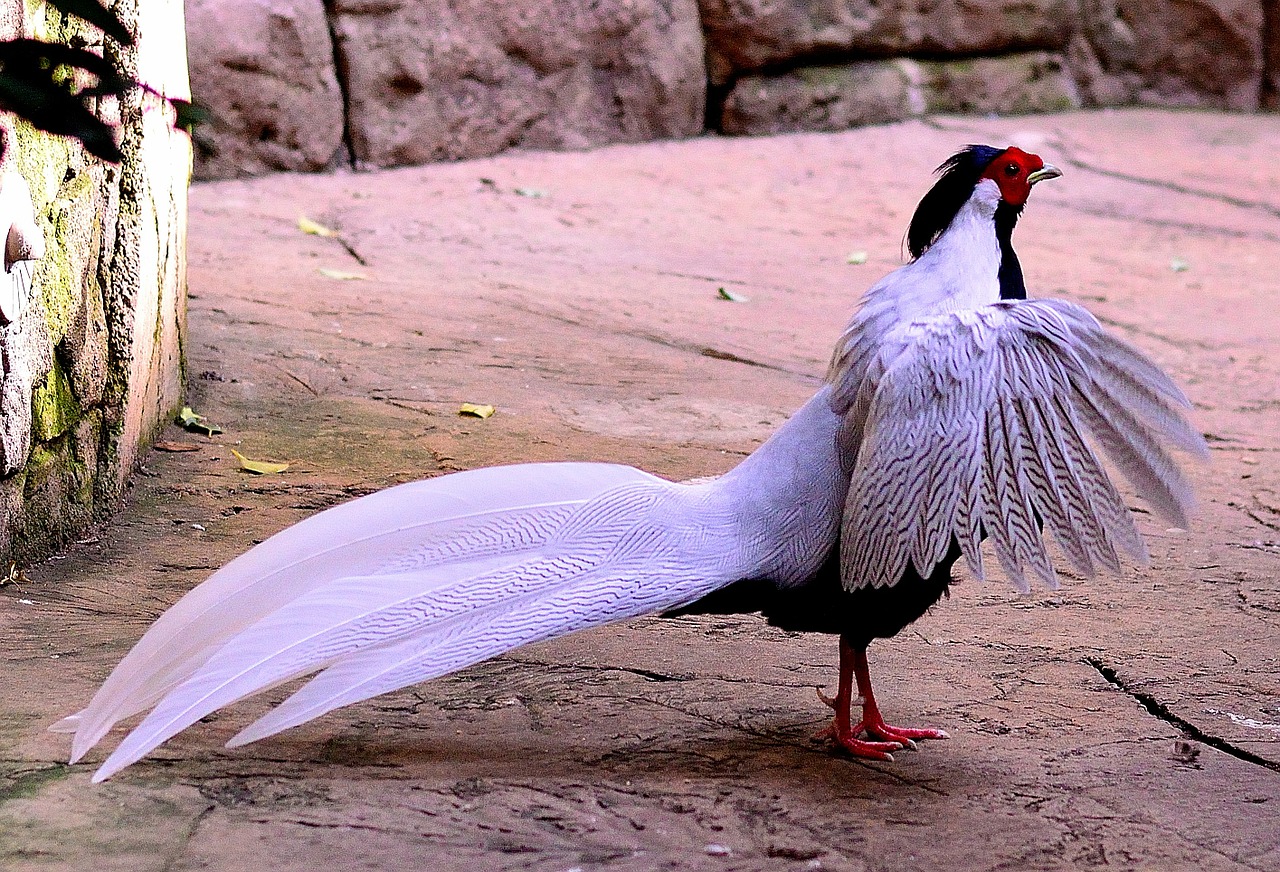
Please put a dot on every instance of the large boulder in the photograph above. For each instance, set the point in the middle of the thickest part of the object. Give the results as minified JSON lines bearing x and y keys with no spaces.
{"x":266,"y":70}
{"x":1206,"y":53}
{"x":444,"y":79}
{"x":749,"y":35}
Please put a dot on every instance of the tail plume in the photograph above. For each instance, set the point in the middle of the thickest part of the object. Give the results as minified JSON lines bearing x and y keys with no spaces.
{"x":412,"y":583}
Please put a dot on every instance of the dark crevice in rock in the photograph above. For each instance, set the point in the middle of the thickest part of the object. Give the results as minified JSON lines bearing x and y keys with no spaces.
{"x":341,"y":73}
{"x":28,"y":782}
{"x":840,"y":58}
{"x":1161,"y":711}
{"x":193,"y":827}
{"x":714,"y":114}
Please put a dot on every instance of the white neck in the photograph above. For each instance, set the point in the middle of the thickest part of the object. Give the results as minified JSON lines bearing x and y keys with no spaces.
{"x":786,"y":499}
{"x":959,"y":271}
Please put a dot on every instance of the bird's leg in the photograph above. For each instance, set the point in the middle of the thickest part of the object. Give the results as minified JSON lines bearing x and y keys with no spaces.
{"x":872,"y":722}
{"x":842,"y":732}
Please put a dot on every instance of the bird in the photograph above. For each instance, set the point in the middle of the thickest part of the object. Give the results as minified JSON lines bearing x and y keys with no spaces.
{"x":955,"y":410}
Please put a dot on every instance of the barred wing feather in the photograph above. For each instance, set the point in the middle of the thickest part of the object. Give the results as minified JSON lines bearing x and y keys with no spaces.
{"x":982,"y":423}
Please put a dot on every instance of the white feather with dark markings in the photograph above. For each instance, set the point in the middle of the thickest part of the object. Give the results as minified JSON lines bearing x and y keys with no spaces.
{"x":976,"y":421}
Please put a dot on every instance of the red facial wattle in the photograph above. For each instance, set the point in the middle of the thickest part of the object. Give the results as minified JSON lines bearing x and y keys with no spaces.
{"x":1013,"y":172}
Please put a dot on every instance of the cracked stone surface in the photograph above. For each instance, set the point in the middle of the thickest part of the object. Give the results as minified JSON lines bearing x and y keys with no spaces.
{"x":1124,"y":723}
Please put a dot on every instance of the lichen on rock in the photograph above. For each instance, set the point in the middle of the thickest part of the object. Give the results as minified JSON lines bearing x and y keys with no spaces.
{"x":92,"y":363}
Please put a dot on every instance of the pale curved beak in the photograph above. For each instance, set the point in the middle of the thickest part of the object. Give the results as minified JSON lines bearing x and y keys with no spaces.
{"x":1048,"y":171}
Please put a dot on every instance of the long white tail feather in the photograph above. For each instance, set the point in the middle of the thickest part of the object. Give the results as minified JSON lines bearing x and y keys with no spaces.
{"x":441,"y":521}
{"x":615,"y":597}
{"x":424,"y":579}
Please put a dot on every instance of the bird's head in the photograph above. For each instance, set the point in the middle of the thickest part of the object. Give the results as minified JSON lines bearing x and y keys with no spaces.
{"x":1005,"y":175}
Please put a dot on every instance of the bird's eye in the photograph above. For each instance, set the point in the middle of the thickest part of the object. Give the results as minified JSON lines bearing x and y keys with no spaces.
{"x":1011,"y":169}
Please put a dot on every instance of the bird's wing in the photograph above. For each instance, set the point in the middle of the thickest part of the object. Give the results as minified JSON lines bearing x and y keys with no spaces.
{"x":403,"y":585}
{"x":980,"y":423}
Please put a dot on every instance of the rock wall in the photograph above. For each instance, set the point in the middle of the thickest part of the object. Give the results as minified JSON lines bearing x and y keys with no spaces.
{"x":309,"y":85}
{"x":91,"y":326}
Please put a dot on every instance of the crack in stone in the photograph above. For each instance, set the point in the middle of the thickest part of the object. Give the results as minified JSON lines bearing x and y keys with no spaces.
{"x":1068,"y":152}
{"x":1162,"y":712}
{"x":190,"y":834}
{"x":651,"y":675}
{"x":341,"y":74}
{"x":1175,"y":187}
{"x":1163,"y":223}
{"x":25,"y":783}
{"x":674,"y":344}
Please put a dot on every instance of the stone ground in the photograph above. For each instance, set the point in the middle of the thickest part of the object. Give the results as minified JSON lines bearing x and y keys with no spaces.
{"x":590,"y":317}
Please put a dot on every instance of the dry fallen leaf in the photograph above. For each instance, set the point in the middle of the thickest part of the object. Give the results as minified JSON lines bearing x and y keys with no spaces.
{"x":533,"y":193}
{"x":195,"y":423}
{"x":732,"y":297}
{"x":315,"y":228}
{"x":342,"y":275}
{"x":166,"y":445}
{"x":1179,"y":265}
{"x":476,"y":411}
{"x":857,"y":258}
{"x":259,"y":467}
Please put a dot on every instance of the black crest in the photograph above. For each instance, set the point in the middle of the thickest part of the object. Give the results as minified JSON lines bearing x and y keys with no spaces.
{"x":957,"y":177}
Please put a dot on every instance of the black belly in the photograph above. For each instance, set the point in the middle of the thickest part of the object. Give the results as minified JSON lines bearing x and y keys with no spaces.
{"x":824,"y":606}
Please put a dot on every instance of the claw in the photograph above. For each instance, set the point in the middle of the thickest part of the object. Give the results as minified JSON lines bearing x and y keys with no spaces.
{"x":833,"y":701}
{"x":906,"y":735}
{"x":881,"y":738}
{"x":861,"y":748}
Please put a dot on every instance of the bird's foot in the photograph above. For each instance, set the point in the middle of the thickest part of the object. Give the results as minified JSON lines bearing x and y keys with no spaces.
{"x":863,"y":748}
{"x":876,"y":728}
{"x":881,"y":738}
{"x":847,"y":738}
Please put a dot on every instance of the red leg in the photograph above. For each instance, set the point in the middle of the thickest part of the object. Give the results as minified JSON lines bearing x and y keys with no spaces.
{"x":841,"y":731}
{"x":853,"y":664}
{"x":872,"y":722}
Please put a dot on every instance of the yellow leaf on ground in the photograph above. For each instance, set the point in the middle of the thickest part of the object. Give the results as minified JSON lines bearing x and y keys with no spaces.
{"x":191,"y":421}
{"x":476,"y":411}
{"x":260,"y":467}
{"x":857,"y":258}
{"x":315,"y":228}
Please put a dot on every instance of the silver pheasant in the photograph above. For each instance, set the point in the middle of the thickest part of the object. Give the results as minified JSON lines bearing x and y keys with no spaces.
{"x":955,"y":410}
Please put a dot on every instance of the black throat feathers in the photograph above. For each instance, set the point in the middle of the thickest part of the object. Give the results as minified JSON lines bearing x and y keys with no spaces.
{"x":1011,"y":285}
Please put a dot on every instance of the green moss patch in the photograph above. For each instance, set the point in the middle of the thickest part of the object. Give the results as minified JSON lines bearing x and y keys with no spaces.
{"x":54,"y":408}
